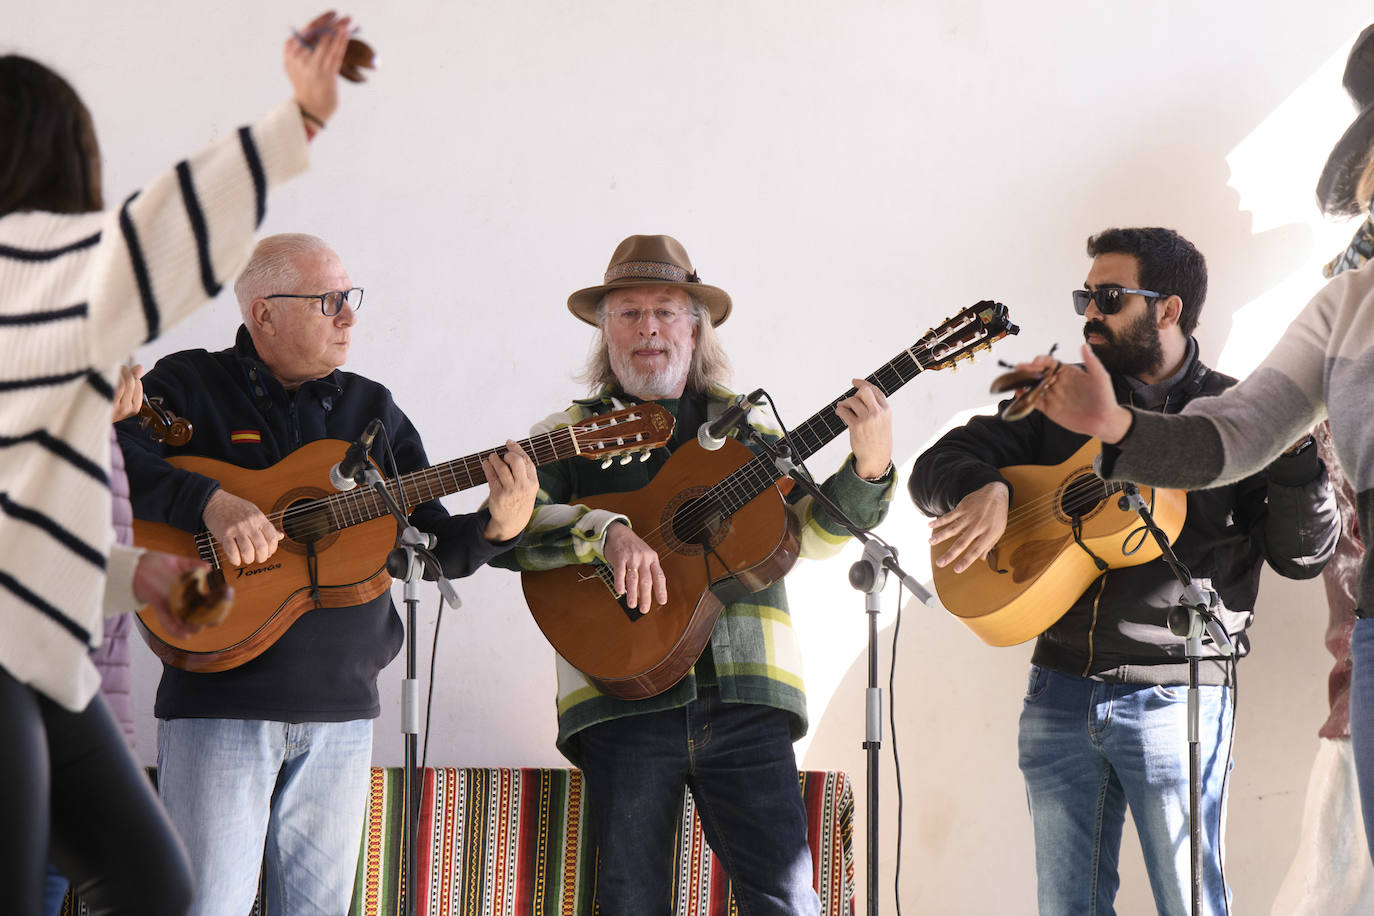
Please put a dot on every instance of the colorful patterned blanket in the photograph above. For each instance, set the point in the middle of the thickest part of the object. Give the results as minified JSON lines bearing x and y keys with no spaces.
{"x":512,"y":842}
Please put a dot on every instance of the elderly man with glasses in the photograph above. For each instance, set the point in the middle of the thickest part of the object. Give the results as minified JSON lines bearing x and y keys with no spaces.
{"x":1103,"y":725}
{"x":273,"y":754}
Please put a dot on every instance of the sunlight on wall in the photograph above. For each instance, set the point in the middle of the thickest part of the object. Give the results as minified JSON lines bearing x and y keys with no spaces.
{"x":834,"y":634}
{"x":1275,"y":170}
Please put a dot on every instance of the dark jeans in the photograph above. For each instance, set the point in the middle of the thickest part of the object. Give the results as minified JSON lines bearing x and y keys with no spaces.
{"x":737,"y":759}
{"x":70,"y":788}
{"x":1362,"y":718}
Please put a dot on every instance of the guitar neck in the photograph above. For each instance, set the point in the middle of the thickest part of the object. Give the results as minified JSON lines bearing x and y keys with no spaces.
{"x":815,"y":433}
{"x":409,"y":490}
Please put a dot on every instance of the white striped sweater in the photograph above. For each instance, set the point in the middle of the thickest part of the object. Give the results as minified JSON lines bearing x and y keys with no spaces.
{"x":78,"y":293}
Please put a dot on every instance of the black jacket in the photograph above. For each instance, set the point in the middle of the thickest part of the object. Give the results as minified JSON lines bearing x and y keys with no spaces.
{"x":1286,"y":515}
{"x":324,"y":668}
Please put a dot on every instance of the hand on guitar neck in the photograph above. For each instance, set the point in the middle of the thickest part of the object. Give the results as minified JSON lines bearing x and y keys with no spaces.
{"x":869,"y":418}
{"x":513,"y":484}
{"x":974,"y":526}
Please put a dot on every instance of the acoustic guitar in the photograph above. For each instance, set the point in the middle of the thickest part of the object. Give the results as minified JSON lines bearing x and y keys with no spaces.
{"x":350,"y":532}
{"x":1038,"y":568}
{"x":722,"y":531}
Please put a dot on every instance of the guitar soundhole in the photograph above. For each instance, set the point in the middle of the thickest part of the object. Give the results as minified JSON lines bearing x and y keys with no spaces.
{"x":1082,"y":497}
{"x":305,"y":523}
{"x":696,"y":522}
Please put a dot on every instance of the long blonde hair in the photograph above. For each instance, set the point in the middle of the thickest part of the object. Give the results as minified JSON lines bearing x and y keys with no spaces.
{"x":709,"y":367}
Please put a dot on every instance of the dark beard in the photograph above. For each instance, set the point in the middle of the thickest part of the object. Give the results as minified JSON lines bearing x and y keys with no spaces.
{"x":1135,"y":352}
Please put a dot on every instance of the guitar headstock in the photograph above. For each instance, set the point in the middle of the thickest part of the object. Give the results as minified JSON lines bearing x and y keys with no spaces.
{"x":959,"y":337}
{"x":621,"y":434}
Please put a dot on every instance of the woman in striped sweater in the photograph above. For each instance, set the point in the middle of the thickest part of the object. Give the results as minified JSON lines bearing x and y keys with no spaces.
{"x":79,"y":290}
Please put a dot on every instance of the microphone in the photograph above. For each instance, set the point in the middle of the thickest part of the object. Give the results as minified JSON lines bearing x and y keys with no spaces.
{"x":713,"y":433}
{"x":344,"y":474}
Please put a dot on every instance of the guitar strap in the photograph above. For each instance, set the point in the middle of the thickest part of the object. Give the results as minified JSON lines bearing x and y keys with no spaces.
{"x":312,"y":566}
{"x":1077,"y":528}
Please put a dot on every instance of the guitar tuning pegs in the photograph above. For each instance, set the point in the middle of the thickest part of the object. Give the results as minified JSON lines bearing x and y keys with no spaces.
{"x":607,"y":462}
{"x":627,"y":458}
{"x":644,"y":455}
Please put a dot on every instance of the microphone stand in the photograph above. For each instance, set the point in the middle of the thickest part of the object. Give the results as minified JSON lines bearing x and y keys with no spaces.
{"x":1190,"y":620}
{"x":868,"y":575}
{"x":408,"y":562}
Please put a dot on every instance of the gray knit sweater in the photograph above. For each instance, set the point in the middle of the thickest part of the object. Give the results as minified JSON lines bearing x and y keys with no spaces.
{"x":1323,"y":366}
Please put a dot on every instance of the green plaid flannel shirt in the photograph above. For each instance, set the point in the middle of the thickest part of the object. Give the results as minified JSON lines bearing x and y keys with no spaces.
{"x":755,"y":651}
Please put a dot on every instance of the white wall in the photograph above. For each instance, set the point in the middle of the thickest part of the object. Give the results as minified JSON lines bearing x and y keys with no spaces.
{"x":851,"y":173}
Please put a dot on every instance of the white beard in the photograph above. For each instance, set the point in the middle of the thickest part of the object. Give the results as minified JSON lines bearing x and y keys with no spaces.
{"x":667,"y":382}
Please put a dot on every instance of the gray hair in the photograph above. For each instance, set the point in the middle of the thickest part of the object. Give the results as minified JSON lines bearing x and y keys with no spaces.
{"x":272,"y":266}
{"x":709,"y":367}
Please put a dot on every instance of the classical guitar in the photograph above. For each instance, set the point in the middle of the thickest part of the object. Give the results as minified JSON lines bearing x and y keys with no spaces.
{"x":722,"y":531}
{"x":1061,"y":517}
{"x":349,"y":533}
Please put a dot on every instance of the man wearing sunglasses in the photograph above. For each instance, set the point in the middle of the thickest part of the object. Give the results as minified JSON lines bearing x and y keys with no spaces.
{"x":274,"y":754}
{"x":1103,"y":724}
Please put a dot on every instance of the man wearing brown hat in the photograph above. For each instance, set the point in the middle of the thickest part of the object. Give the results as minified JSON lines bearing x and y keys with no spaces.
{"x":725,"y":730}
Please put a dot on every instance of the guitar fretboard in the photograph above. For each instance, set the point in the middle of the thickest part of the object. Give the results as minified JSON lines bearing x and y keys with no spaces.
{"x":754,"y":477}
{"x":316,"y":517}
{"x":353,"y":507}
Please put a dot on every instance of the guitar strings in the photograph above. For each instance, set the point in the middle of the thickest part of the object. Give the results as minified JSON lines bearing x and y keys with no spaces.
{"x":1080,"y":494}
{"x":750,"y":479}
{"x":355,"y":506}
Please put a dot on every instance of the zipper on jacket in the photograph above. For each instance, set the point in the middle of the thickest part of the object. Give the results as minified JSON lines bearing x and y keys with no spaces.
{"x":1092,"y":627}
{"x":295,"y":419}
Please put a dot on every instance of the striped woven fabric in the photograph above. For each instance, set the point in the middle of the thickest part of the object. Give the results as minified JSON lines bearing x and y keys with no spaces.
{"x":513,"y":842}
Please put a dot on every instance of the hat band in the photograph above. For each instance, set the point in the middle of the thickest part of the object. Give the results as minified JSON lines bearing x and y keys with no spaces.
{"x":650,"y":270}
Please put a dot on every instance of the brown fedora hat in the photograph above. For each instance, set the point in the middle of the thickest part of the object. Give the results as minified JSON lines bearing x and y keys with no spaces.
{"x":1340,"y":175}
{"x":650,"y":260}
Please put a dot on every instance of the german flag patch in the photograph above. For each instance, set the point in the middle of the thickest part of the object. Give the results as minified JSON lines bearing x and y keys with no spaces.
{"x":245,"y":436}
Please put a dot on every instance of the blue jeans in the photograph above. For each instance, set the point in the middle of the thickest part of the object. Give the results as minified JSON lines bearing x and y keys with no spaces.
{"x":1088,"y":750}
{"x":737,"y":759}
{"x":289,"y":799}
{"x":1362,"y":718}
{"x":54,"y":891}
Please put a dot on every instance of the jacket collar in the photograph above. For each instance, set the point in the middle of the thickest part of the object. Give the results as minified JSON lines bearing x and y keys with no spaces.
{"x":1168,"y":394}
{"x":609,"y":394}
{"x":330,"y":386}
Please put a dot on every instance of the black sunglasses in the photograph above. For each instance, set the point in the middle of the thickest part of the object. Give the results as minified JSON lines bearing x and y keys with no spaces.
{"x":1109,"y":299}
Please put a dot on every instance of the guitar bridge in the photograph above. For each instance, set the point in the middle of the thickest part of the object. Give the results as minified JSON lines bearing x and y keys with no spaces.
{"x":603,"y":572}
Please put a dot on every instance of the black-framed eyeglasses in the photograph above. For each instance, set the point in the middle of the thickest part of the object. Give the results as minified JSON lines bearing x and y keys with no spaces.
{"x":1109,"y":299}
{"x":330,"y":302}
